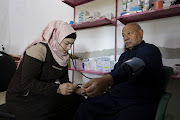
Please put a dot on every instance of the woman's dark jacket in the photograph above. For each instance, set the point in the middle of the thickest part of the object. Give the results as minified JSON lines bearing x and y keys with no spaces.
{"x":31,"y":94}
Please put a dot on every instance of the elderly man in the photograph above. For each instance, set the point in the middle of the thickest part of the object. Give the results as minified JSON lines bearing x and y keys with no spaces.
{"x":135,"y":83}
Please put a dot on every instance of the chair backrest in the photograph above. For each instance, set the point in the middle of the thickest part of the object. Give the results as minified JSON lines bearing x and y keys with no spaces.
{"x":161,"y":110}
{"x":8,"y":68}
{"x":167,"y":72}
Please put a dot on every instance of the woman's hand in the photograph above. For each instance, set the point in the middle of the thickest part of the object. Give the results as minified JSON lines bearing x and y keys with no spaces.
{"x":80,"y":91}
{"x":66,"y":88}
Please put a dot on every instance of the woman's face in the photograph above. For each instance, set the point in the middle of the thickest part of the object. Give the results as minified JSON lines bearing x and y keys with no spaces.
{"x":66,"y":45}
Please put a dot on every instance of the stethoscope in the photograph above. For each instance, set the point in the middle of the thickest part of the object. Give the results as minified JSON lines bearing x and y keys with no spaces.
{"x":73,"y":62}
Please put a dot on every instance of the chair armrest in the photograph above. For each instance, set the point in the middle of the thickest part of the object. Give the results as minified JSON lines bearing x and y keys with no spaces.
{"x":161,"y":110}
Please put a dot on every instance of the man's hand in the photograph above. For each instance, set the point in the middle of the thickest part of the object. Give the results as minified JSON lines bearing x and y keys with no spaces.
{"x":97,"y":86}
{"x":66,"y":88}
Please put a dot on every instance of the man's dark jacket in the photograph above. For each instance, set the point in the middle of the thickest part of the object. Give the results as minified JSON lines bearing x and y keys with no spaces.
{"x":131,"y":97}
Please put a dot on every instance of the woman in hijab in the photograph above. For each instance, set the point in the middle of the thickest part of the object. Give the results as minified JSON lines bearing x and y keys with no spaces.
{"x":40,"y":88}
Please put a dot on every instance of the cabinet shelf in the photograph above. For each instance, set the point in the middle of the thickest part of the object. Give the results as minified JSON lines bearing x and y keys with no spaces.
{"x":74,"y":3}
{"x":95,"y":23}
{"x":175,"y":77}
{"x":90,"y":71}
{"x":173,"y":10}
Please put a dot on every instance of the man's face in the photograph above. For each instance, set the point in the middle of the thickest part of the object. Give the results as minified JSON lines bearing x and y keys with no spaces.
{"x":131,"y":35}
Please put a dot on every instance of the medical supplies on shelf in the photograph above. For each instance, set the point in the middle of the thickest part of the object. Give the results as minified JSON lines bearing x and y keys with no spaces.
{"x":92,"y":16}
{"x":101,"y":64}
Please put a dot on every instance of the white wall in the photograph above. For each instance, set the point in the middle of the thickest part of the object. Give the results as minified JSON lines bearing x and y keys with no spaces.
{"x":164,"y":33}
{"x":25,"y":19}
{"x":4,"y":20}
{"x":21,"y":21}
{"x":98,"y":38}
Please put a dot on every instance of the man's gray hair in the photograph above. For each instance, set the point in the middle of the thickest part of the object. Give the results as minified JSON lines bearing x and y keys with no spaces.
{"x":137,"y":25}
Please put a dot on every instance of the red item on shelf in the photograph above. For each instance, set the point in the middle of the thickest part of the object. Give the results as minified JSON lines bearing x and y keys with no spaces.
{"x":158,"y":4}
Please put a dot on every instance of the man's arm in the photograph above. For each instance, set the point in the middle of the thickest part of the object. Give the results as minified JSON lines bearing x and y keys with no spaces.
{"x":97,"y":86}
{"x":128,"y":69}
{"x":142,"y":62}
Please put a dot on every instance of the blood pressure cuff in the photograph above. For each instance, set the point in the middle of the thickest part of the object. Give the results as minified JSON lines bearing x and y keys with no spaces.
{"x":128,"y":70}
{"x":135,"y":64}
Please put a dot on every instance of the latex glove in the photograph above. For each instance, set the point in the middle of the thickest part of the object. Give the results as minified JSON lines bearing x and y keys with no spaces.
{"x":66,"y":88}
{"x":98,"y":86}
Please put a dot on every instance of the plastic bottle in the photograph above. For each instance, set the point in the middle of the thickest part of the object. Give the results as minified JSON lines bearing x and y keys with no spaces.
{"x":158,"y":4}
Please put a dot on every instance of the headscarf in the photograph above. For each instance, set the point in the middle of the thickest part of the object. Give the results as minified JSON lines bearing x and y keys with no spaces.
{"x":55,"y":32}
